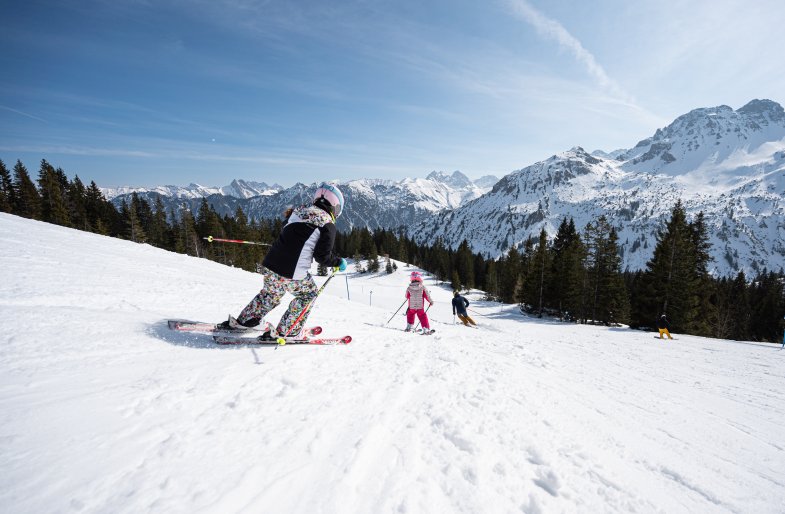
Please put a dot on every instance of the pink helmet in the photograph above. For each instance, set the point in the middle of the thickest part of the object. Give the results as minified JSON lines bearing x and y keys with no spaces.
{"x":416,"y":276}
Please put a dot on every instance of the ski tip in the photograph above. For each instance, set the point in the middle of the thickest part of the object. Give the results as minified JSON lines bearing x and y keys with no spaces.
{"x":347,"y":339}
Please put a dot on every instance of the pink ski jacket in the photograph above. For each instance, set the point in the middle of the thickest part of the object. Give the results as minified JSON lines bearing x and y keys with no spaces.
{"x":417,"y":294}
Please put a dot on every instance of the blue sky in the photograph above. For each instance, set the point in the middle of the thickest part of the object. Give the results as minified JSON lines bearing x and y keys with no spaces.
{"x":147,"y":92}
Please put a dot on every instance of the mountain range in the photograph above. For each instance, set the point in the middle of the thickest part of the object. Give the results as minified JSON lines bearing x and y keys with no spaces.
{"x":372,"y":203}
{"x":728,"y":164}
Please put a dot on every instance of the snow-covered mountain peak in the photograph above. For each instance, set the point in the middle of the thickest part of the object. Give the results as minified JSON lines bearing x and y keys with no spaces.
{"x":238,"y":188}
{"x":706,"y":137}
{"x":763,"y":111}
{"x":609,"y":155}
{"x":247,"y":189}
{"x":729,"y":165}
{"x":486,"y":181}
{"x":456,"y":179}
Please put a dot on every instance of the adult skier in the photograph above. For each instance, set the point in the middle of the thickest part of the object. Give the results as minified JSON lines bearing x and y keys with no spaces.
{"x":309,"y":234}
{"x":664,"y":326}
{"x":459,"y":304}
{"x":416,"y":293}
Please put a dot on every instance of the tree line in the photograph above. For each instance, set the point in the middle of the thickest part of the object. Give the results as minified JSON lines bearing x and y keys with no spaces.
{"x":575,"y":276}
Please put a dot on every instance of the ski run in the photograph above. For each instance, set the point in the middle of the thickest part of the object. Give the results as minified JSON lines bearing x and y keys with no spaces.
{"x":103,"y":409}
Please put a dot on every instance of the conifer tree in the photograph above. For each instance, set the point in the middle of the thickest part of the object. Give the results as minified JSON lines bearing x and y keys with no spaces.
{"x":491,"y":284}
{"x":53,"y":209}
{"x":26,"y":197}
{"x":700,"y":323}
{"x":538,"y":275}
{"x":480,"y":267}
{"x":159,"y":231}
{"x":98,"y":210}
{"x":402,"y":252}
{"x":144,"y":214}
{"x":613,"y":300}
{"x":358,"y":263}
{"x":208,"y":223}
{"x":669,"y":284}
{"x":766,"y":296}
{"x":187,"y":240}
{"x":439,"y":262}
{"x":607,"y":299}
{"x":6,"y":189}
{"x":510,"y":283}
{"x":373,"y":259}
{"x":456,"y":281}
{"x":564,"y":288}
{"x":76,"y":198}
{"x":525,"y":272}
{"x":132,"y":228}
{"x":464,"y":264}
{"x":721,"y":301}
{"x":739,"y":309}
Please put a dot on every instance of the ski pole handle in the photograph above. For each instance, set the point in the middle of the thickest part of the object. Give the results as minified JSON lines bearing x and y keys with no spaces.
{"x":211,"y":239}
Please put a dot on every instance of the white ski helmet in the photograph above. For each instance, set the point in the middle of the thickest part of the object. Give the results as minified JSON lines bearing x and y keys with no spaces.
{"x":329,"y":196}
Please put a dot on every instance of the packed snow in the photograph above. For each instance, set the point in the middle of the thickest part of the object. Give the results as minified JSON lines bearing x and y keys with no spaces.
{"x":103,"y":409}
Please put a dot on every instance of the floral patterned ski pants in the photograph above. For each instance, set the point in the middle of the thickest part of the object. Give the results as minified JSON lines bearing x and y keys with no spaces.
{"x":275,"y":286}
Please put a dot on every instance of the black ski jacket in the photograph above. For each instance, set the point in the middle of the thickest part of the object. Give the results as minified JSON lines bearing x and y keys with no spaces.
{"x":459,"y":303}
{"x":308,"y":235}
{"x":662,"y":322}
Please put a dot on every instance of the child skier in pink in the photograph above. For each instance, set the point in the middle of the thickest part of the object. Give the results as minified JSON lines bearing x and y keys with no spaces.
{"x":417,"y":294}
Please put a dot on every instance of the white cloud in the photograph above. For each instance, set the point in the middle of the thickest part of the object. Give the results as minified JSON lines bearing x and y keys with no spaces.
{"x":552,"y":29}
{"x":22,"y":113}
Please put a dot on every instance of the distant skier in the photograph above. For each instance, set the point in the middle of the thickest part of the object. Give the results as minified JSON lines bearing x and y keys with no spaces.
{"x":416,"y":293}
{"x":459,"y":304}
{"x":664,"y":327}
{"x":309,"y":234}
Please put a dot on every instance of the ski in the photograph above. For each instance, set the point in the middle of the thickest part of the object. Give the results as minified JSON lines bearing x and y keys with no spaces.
{"x":198,"y":326}
{"x":419,"y":332}
{"x":213,"y":328}
{"x":230,"y":340}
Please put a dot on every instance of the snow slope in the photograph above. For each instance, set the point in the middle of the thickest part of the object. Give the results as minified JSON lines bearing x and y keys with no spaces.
{"x":102,"y":409}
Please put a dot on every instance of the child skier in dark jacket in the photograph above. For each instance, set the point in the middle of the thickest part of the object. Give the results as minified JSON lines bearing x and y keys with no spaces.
{"x":664,"y":327}
{"x":308,"y":235}
{"x":459,"y":304}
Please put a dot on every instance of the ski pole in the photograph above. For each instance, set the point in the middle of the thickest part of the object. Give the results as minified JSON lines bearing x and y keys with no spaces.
{"x":396,"y":312}
{"x":477,"y":313}
{"x":426,"y":312}
{"x":211,"y":239}
{"x":309,"y":305}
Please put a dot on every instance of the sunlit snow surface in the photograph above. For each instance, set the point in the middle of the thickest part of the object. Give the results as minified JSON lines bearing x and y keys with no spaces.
{"x":103,"y":409}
